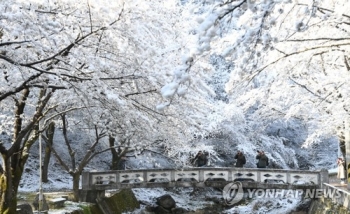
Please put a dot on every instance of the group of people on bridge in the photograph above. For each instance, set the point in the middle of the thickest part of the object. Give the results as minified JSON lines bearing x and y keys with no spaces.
{"x":201,"y":159}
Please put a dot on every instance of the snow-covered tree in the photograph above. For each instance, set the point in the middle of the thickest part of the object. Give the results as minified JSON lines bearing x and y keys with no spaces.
{"x":291,"y":59}
{"x":105,"y":60}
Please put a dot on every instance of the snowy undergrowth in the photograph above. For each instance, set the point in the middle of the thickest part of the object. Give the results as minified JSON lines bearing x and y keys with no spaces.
{"x":262,"y":206}
{"x":182,"y":196}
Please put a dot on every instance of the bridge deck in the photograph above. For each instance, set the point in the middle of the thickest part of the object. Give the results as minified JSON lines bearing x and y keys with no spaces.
{"x":340,"y":186}
{"x":334,"y":181}
{"x":338,"y":193}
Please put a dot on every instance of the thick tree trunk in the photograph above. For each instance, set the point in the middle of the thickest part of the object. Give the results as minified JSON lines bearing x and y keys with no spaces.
{"x":118,"y":157}
{"x":49,"y":143}
{"x":115,"y":162}
{"x":347,"y":149}
{"x":118,"y":163}
{"x":76,"y":180}
{"x":115,"y":155}
{"x":15,"y":157}
{"x":8,"y":193}
{"x":45,"y":169}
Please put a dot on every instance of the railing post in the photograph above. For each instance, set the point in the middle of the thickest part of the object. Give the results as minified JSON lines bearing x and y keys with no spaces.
{"x":87,"y":194}
{"x":85,"y":180}
{"x":324,"y":177}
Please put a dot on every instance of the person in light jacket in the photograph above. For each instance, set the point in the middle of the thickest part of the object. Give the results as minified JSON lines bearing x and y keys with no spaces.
{"x":341,"y":170}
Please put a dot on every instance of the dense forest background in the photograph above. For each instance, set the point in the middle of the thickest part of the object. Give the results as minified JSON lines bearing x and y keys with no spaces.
{"x":157,"y":81}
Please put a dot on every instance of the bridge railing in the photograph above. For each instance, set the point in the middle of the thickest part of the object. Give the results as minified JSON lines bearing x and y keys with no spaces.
{"x":337,"y":195}
{"x":148,"y":178}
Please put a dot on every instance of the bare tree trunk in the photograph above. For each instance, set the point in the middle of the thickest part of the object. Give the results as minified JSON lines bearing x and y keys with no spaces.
{"x":115,"y":156}
{"x":76,"y":180}
{"x":8,"y":199}
{"x":50,"y":131}
{"x":347,"y":147}
{"x":118,"y":156}
{"x":11,"y":177}
{"x":15,"y":157}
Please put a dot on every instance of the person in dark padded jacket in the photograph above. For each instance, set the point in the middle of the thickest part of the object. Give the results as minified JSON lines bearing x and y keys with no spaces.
{"x":201,"y":159}
{"x":263,"y":160}
{"x":240,"y":159}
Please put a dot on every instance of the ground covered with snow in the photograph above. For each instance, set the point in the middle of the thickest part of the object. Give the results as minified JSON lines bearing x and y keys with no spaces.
{"x":191,"y":199}
{"x":187,"y":198}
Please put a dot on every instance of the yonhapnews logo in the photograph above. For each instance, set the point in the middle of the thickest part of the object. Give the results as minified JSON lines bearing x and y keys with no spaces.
{"x":233,"y":193}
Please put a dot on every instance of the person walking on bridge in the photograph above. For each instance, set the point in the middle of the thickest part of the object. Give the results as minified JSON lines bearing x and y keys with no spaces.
{"x":263,"y":160}
{"x":240,"y":159}
{"x":341,"y":170}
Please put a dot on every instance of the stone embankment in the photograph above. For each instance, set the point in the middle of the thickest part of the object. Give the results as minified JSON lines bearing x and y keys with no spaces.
{"x":58,"y":202}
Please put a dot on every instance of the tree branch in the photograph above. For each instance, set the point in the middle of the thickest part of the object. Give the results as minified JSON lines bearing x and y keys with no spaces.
{"x":322,"y":9}
{"x":306,"y":88}
{"x":137,"y":93}
{"x":90,"y":153}
{"x":13,"y":43}
{"x":67,"y":142}
{"x":346,"y":63}
{"x":251,"y":77}
{"x":317,"y":39}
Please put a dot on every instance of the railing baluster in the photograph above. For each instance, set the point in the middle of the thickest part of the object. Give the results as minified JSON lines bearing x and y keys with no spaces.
{"x":289,"y":180}
{"x":201,"y":176}
{"x":230,"y":174}
{"x":172,"y":176}
{"x":144,"y":175}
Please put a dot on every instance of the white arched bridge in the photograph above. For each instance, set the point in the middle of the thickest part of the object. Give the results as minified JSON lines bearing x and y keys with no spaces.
{"x":96,"y":182}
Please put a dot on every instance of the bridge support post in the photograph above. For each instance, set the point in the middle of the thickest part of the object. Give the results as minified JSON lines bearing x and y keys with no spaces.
{"x":90,"y":196}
